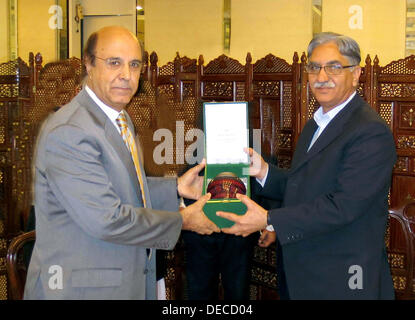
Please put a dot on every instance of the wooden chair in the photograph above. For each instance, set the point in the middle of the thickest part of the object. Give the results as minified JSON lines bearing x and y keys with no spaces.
{"x":16,"y":270}
{"x":401,"y":249}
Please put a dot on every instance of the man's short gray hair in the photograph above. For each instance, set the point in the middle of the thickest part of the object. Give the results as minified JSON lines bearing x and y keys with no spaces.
{"x":347,"y":46}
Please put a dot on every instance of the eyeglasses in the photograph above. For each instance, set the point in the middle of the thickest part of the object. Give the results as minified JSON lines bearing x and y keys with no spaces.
{"x":118,"y":63}
{"x":331,"y":69}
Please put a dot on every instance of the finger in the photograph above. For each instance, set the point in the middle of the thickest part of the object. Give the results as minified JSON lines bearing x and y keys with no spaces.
{"x":214,"y":228}
{"x":230,"y":230}
{"x":256,"y":161}
{"x":200,"y":180}
{"x":249,"y":151}
{"x":264,"y":244}
{"x":228,"y":215}
{"x":263,"y":237}
{"x":200,"y":166}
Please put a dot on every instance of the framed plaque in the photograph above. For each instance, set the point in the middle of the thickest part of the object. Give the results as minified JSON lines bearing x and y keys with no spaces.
{"x":227,"y":165}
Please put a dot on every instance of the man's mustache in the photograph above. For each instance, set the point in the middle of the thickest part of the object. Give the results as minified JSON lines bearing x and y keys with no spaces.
{"x":325,"y":84}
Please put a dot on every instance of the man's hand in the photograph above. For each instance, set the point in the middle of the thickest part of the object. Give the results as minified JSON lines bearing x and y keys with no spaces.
{"x":258,"y":167}
{"x":190,"y":184}
{"x":267,"y":237}
{"x":253,"y":220}
{"x":195,"y":220}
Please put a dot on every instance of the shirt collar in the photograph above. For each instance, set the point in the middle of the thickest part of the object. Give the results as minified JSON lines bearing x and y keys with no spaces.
{"x":110,"y":112}
{"x":323,"y":119}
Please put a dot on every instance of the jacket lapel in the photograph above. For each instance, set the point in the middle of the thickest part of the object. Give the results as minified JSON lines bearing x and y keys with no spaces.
{"x":304,"y":141}
{"x":116,"y":141}
{"x":333,"y":129}
{"x":112,"y":135}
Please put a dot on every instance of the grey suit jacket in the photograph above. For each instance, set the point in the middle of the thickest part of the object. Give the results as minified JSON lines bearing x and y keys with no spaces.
{"x":92,"y":230}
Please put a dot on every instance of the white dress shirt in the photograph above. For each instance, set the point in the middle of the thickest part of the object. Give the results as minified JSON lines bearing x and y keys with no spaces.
{"x":110,"y":112}
{"x":323,"y":119}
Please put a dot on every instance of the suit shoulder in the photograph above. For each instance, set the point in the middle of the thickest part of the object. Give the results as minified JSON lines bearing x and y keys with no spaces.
{"x":365,"y":123}
{"x":74,"y":116}
{"x":70,"y":125}
{"x":366,"y":117}
{"x":66,"y":115}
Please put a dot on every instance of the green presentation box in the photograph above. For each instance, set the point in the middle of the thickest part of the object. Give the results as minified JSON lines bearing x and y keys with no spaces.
{"x":226,"y":135}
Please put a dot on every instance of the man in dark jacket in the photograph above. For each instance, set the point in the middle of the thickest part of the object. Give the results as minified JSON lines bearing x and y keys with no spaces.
{"x":335,"y":195}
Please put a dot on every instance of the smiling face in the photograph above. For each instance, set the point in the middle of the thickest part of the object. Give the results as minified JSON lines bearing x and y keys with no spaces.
{"x":332,"y":90}
{"x":115,"y":83}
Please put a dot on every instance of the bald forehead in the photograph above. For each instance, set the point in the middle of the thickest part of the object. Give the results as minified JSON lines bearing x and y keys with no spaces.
{"x":109,"y":34}
{"x":115,"y":31}
{"x":116,"y":38}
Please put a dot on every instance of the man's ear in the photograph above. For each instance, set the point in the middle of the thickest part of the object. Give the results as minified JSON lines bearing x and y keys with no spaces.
{"x":357,"y":71}
{"x":87,"y":63}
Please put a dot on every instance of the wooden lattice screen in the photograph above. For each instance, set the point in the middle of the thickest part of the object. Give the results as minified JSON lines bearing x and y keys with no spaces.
{"x":15,"y":94}
{"x":394,"y":100}
{"x":171,"y":97}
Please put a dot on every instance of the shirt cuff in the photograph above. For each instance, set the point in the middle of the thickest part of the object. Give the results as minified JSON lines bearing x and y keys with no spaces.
{"x":270,"y":228}
{"x":262,"y":182}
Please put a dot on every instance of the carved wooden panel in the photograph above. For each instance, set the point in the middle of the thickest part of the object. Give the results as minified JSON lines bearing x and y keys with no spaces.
{"x":403,"y":187}
{"x":272,"y":64}
{"x":406,"y":117}
{"x":401,"y":249}
{"x":313,"y":104}
{"x":170,"y":98}
{"x":222,"y":79}
{"x":167,"y":69}
{"x":57,"y":84}
{"x":224,"y":65}
{"x":401,"y":67}
{"x":385,"y":111}
{"x":270,"y":126}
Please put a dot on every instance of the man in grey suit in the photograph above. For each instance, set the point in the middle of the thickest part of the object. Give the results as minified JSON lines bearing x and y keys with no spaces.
{"x":335,"y":195}
{"x":97,"y":216}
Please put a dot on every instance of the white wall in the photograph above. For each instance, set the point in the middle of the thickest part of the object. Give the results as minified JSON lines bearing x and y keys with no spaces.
{"x":98,"y":14}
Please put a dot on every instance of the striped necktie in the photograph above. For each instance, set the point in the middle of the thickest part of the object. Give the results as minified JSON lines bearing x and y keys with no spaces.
{"x":130,"y":143}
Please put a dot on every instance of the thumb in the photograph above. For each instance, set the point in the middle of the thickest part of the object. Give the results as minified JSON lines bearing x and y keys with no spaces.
{"x":245,"y":200}
{"x":263,"y":236}
{"x":200,"y":166}
{"x":203,"y":199}
{"x":248,"y":151}
{"x":212,"y":226}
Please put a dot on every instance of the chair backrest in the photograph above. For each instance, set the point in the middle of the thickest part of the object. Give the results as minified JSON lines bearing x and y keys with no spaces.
{"x":16,"y":269}
{"x":400,"y":243}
